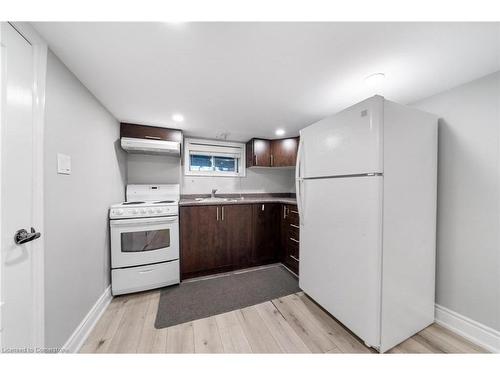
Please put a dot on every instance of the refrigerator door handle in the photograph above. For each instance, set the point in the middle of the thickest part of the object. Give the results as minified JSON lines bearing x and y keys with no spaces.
{"x":299,"y":159}
{"x":300,"y":206}
{"x":298,"y":182}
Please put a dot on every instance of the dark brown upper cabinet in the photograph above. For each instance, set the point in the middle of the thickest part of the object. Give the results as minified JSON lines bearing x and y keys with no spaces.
{"x":271,"y":153}
{"x":284,"y":152}
{"x":150,"y":132}
{"x":258,"y":153}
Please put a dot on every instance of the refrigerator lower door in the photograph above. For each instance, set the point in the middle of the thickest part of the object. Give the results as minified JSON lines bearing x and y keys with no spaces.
{"x":340,"y":250}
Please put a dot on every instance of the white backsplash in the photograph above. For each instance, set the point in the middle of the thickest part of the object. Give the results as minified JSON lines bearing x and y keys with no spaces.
{"x":151,"y":169}
{"x":256,"y":181}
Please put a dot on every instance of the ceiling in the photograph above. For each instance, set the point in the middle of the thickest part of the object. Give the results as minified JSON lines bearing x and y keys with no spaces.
{"x":248,"y":79}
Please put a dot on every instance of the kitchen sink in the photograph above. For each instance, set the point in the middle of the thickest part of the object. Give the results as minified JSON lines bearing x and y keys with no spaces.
{"x":219,"y":199}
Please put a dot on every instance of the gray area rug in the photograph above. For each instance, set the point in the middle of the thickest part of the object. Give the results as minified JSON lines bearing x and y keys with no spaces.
{"x":202,"y":298}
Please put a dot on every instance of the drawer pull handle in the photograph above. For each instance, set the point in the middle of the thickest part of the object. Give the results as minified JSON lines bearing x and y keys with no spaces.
{"x":294,"y":240}
{"x":294,"y":212}
{"x":294,"y":258}
{"x":295,"y":226}
{"x":147,"y":271}
{"x":152,"y":137}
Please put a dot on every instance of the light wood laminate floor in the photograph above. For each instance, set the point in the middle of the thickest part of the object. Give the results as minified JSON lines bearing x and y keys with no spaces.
{"x":291,"y":324}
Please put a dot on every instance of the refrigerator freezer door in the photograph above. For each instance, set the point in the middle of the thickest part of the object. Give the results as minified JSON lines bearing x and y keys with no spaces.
{"x":347,"y":143}
{"x":340,"y":250}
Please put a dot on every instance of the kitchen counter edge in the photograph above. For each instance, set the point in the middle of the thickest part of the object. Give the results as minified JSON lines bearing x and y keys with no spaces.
{"x":253,"y":200}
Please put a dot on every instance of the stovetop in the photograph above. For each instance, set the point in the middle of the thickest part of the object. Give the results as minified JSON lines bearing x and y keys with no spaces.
{"x":145,"y":201}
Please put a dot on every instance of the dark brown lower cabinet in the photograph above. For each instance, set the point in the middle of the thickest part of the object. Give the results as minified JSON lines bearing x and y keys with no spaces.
{"x":238,"y":233}
{"x":266,"y":247}
{"x":215,"y":239}
{"x":290,"y":237}
{"x":222,"y":238}
{"x":201,"y":249}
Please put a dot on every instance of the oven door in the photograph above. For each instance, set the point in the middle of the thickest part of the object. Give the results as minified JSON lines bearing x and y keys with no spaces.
{"x":142,"y":241}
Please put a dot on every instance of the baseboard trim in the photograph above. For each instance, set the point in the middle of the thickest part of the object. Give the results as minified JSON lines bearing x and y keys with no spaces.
{"x":484,"y":336}
{"x":83,"y":330}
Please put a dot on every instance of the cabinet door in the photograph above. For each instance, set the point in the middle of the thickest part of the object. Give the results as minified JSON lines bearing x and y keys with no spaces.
{"x":201,"y":250}
{"x":150,"y":132}
{"x":284,"y":152}
{"x":266,"y":247}
{"x":238,"y":234}
{"x":259,"y":153}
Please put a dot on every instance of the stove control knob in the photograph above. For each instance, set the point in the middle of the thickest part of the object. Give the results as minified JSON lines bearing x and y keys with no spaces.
{"x":134,"y":211}
{"x":143,"y":210}
{"x":158,"y":210}
{"x":150,"y":210}
{"x":118,"y":212}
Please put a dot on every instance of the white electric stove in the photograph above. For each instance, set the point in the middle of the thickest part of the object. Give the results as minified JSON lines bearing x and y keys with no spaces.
{"x":145,"y":239}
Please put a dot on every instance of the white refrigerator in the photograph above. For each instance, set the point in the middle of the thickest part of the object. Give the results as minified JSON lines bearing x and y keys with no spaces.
{"x":366,"y":194}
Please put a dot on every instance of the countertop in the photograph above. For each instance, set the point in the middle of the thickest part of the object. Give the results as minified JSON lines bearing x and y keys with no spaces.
{"x":190,"y":200}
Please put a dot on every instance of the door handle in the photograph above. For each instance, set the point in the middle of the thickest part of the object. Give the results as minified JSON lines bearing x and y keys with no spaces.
{"x":152,"y":137}
{"x":23,"y":236}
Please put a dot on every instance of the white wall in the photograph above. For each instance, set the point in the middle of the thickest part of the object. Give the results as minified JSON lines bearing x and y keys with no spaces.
{"x":468,"y":246}
{"x":153,"y":169}
{"x":76,"y":206}
{"x":144,"y":169}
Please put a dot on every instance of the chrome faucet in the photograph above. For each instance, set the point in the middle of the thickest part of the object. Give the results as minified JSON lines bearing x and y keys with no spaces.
{"x":213,"y":192}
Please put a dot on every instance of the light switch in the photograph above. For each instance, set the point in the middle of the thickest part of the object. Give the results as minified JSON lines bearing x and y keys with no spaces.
{"x":63,"y":164}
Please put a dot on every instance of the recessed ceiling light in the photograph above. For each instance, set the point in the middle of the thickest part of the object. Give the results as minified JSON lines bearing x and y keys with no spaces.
{"x":178,"y":117}
{"x":280,"y":132}
{"x":375,"y":79}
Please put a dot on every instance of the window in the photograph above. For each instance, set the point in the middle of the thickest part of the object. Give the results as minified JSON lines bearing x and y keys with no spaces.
{"x":213,"y":163}
{"x":213,"y":158}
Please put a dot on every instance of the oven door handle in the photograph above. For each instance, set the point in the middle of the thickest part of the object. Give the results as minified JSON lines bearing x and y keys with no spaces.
{"x":128,"y":222}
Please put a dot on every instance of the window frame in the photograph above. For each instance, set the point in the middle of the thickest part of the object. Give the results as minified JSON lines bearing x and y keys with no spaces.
{"x":194,"y":144}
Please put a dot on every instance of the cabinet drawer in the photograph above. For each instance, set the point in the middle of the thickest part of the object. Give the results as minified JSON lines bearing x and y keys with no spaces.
{"x":292,"y":262}
{"x":292,"y":214}
{"x":293,"y":233}
{"x":134,"y":279}
{"x":292,"y":245}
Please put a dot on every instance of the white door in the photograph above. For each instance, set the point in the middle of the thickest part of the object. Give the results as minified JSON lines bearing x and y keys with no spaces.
{"x":340,"y":250}
{"x":347,"y":143}
{"x":17,"y":191}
